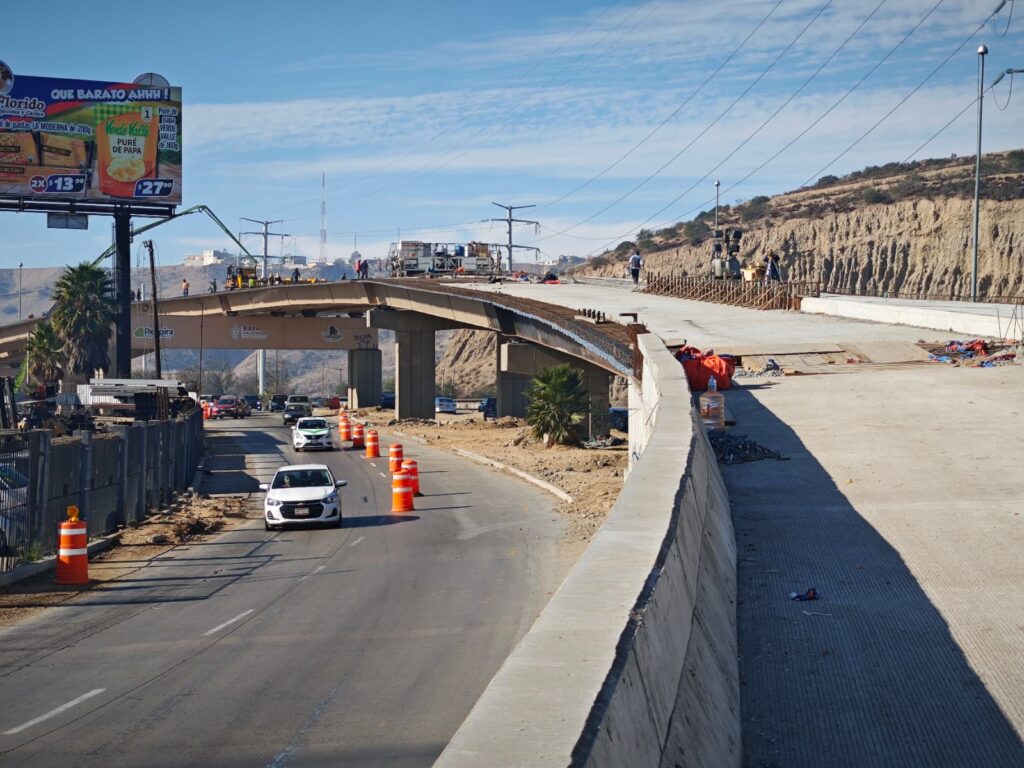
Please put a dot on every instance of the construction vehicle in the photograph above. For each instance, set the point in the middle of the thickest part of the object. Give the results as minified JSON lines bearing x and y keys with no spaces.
{"x":725,"y":248}
{"x":409,"y":258}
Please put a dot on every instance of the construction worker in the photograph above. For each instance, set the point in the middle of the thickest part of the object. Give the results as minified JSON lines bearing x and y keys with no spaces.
{"x":366,"y":269}
{"x":771,"y":267}
{"x":184,"y":287}
{"x":359,"y":268}
{"x":636,"y":263}
{"x":213,"y":285}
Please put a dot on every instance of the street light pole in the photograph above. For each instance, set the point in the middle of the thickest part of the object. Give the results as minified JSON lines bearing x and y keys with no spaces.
{"x":717,"y":185}
{"x":982,"y":52}
{"x":20,"y":265}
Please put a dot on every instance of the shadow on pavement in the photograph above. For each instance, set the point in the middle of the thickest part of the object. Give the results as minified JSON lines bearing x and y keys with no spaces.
{"x":870,"y":674}
{"x":370,"y":521}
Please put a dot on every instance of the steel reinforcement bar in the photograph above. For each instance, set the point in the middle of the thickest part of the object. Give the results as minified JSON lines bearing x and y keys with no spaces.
{"x":752,"y":294}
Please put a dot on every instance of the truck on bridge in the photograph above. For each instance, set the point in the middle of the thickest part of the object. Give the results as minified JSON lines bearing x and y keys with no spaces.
{"x":409,"y":258}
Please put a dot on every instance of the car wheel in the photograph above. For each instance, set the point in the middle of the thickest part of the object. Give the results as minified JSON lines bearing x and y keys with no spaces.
{"x":267,"y":526}
{"x":340,"y":522}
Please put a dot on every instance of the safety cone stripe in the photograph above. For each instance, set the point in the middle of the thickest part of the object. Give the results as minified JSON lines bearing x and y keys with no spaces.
{"x":73,"y":552}
{"x":72,"y":531}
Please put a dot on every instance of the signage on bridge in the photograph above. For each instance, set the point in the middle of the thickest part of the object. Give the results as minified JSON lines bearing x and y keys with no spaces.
{"x":86,"y":140}
{"x":250,"y":332}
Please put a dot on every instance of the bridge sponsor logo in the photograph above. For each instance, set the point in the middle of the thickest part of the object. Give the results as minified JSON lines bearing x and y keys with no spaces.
{"x":142,"y":332}
{"x":240,"y":332}
{"x":332,"y":335}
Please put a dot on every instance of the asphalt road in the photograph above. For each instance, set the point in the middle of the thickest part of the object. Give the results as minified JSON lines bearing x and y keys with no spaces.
{"x":365,"y":645}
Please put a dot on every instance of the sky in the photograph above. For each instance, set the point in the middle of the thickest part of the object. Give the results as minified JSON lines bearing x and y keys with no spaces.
{"x":607,"y":116}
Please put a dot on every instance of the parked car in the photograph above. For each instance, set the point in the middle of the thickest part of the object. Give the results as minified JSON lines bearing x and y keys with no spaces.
{"x":444,"y":405}
{"x":387,"y":399}
{"x":225,"y":406}
{"x":302,"y":494}
{"x":298,"y":399}
{"x":312,"y":433}
{"x":488,"y":407}
{"x":277,"y":403}
{"x":293,"y":412}
{"x":255,"y":404}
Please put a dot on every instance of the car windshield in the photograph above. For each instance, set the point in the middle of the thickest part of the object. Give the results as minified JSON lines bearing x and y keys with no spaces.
{"x":312,"y":424}
{"x":301,"y":478}
{"x":10,"y":478}
{"x":298,"y":399}
{"x":227,"y":401}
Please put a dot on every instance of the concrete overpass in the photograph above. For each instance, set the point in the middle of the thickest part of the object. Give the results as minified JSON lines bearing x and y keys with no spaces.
{"x":532,"y":335}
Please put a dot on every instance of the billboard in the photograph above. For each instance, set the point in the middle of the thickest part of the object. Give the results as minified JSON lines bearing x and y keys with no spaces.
{"x":89,"y":140}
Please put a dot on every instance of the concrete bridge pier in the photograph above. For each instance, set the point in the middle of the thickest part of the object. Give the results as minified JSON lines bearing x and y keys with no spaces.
{"x":519,"y":362}
{"x":364,"y":378}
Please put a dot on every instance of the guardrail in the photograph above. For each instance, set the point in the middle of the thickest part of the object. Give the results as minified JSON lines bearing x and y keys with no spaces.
{"x":634,"y":660}
{"x":114,"y":478}
{"x":757,"y":294}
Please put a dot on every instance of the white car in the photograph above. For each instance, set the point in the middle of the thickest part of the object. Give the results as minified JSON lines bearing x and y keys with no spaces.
{"x":302,"y":494}
{"x":444,"y":405}
{"x":312,"y":433}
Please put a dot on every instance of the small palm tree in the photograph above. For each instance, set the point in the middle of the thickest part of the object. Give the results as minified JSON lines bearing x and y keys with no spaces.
{"x":558,"y":405}
{"x":44,"y":354}
{"x":82,"y":317}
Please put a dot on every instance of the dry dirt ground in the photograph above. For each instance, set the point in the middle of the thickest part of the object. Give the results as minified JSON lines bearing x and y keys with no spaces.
{"x":188,"y":519}
{"x":592,"y":477}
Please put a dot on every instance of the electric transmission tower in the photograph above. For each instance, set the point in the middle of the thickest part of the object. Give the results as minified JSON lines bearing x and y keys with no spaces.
{"x":510,"y":221}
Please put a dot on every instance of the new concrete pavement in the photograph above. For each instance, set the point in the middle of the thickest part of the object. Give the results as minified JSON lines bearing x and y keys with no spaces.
{"x":365,"y":645}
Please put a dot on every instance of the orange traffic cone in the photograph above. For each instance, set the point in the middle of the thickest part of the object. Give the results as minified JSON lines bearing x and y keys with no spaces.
{"x":73,"y":553}
{"x":345,"y":430}
{"x":372,"y":444}
{"x":412,"y":468}
{"x":395,"y":456}
{"x":401,"y":493}
{"x":357,"y":436}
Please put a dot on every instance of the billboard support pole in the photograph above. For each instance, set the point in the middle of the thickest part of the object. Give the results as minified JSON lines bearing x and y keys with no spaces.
{"x":122,"y":294}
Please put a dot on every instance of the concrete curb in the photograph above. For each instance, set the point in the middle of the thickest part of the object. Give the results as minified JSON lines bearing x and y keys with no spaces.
{"x":554,"y":490}
{"x":22,"y":572}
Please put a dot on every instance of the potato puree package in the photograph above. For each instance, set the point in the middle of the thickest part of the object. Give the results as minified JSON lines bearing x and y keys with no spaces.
{"x":18,"y":148}
{"x":127,"y":151}
{"x":62,"y":152}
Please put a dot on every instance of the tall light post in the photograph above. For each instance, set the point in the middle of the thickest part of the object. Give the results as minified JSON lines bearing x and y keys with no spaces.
{"x":982,"y":52}
{"x":20,"y":265}
{"x":717,"y":185}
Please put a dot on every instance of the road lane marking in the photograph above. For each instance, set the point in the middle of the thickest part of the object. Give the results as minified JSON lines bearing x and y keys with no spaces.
{"x":55,"y":712}
{"x":227,"y":623}
{"x":383,"y":475}
{"x":313,"y":573}
{"x":357,"y":541}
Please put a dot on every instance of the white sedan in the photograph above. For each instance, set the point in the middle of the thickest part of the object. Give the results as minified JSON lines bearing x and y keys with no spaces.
{"x":311,"y":433}
{"x":302,"y":494}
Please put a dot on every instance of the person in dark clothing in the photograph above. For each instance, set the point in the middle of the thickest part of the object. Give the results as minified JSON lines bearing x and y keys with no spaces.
{"x":772,"y":270}
{"x":295,"y":275}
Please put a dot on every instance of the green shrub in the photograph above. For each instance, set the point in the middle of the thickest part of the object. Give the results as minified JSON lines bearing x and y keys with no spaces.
{"x":874,"y":196}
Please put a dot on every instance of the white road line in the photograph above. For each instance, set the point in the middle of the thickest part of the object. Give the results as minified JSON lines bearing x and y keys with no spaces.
{"x":383,"y":475}
{"x":312,"y":573}
{"x":55,"y":712}
{"x":357,"y":541}
{"x":227,"y":623}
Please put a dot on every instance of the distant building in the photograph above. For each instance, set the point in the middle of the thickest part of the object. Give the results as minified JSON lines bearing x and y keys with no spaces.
{"x":294,"y":260}
{"x":208,"y":258}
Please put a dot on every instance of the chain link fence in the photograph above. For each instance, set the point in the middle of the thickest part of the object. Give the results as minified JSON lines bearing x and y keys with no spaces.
{"x":114,"y":478}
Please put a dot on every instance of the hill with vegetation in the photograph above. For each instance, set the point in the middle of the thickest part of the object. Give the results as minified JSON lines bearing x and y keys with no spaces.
{"x":898,"y":228}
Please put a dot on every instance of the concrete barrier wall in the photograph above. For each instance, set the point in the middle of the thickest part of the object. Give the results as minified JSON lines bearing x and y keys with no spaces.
{"x":633,"y":662}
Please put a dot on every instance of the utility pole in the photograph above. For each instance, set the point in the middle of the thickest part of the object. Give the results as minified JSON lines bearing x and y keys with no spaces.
{"x":261,"y":354}
{"x":20,"y":265}
{"x":148,"y":244}
{"x":717,"y":185}
{"x":510,"y":221}
{"x":982,"y":52}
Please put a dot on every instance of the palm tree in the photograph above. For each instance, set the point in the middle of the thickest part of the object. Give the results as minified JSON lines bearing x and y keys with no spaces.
{"x":82,"y":318}
{"x":44,"y":355}
{"x":558,"y":405}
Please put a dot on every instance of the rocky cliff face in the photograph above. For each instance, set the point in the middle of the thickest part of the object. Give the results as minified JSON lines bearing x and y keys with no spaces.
{"x":469,"y":362}
{"x":913,"y":246}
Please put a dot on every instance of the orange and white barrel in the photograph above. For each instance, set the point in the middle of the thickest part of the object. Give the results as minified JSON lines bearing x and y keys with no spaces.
{"x":401,"y":493}
{"x":358,"y":436}
{"x":345,"y":431}
{"x":412,"y":468}
{"x":395,"y":456}
{"x":73,"y":551}
{"x":372,"y":444}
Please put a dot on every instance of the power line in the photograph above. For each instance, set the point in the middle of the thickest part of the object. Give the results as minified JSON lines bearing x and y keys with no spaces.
{"x":510,"y":221}
{"x":672,"y":114}
{"x":707,"y":128}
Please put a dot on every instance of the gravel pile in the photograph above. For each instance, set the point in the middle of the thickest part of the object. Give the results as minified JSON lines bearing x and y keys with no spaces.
{"x":738,"y":449}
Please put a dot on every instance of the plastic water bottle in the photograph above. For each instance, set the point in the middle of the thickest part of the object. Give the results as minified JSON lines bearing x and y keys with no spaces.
{"x":712,"y":406}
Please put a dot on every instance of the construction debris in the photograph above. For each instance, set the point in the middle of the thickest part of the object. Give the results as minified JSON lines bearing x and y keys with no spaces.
{"x":973,"y":354}
{"x":739,"y":449}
